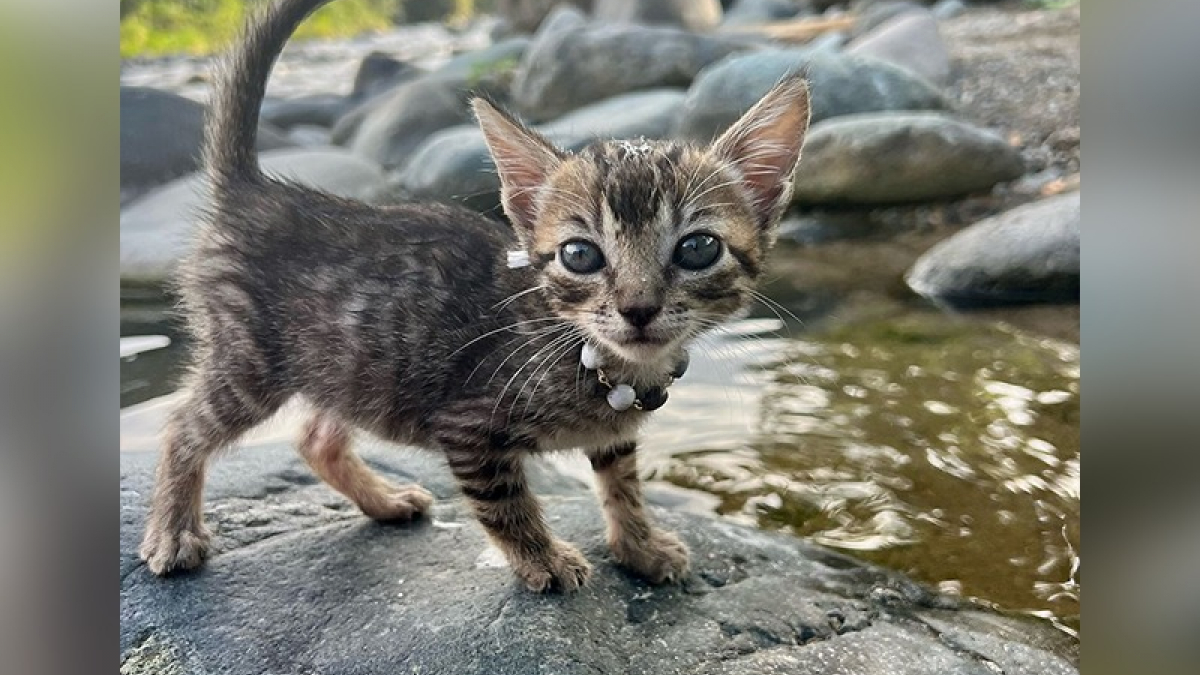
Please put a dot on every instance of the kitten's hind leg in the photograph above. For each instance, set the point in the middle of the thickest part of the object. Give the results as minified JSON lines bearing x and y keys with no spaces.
{"x":214,"y":413}
{"x":656,"y":555}
{"x":325,"y":445}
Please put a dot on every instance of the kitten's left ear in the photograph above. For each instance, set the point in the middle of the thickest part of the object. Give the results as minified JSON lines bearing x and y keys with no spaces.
{"x":764,"y":145}
{"x":524,"y":160}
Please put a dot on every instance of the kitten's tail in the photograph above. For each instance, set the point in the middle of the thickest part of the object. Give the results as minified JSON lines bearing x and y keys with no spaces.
{"x":231,"y":131}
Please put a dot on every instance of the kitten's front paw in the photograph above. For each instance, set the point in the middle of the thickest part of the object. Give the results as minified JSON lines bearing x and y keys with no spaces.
{"x":661,"y":558}
{"x":167,"y":551}
{"x":565,"y":569}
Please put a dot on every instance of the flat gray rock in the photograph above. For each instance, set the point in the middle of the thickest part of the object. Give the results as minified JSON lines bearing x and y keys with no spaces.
{"x":388,"y":130}
{"x":156,"y":229}
{"x":161,"y":134}
{"x":911,"y":40}
{"x":1027,"y":254}
{"x":572,"y":63}
{"x":900,"y":157}
{"x":696,"y":15}
{"x":453,"y":165}
{"x":303,"y":584}
{"x":840,"y":84}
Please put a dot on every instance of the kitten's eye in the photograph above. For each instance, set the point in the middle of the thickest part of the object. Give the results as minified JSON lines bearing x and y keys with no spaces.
{"x":581,"y":257}
{"x":697,"y":251}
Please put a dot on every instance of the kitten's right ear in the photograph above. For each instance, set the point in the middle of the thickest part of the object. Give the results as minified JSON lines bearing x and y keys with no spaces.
{"x":524,"y":160}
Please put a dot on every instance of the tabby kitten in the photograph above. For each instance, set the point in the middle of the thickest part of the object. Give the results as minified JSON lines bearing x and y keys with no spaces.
{"x":434,"y":326}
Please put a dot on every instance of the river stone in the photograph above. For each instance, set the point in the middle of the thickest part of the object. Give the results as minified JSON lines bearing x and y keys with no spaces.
{"x":389,"y":129}
{"x":755,"y":12}
{"x":161,"y":135}
{"x":697,"y":15}
{"x":841,"y":84}
{"x":454,"y":165}
{"x":911,"y":40}
{"x":871,"y":15}
{"x":571,"y":63}
{"x":1028,"y":254}
{"x":900,"y":157}
{"x":390,"y":132}
{"x":378,"y":72}
{"x":320,"y":110}
{"x":301,"y":583}
{"x":155,"y":229}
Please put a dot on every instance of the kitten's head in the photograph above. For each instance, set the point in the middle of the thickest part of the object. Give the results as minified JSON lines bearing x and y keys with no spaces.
{"x":644,"y":244}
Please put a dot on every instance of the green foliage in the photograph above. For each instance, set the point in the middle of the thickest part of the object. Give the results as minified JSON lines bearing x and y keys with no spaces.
{"x":498,"y":71}
{"x":156,"y":27}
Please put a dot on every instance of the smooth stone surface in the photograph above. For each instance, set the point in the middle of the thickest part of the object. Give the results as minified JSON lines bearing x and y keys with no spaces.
{"x":301,"y":583}
{"x":839,"y":84}
{"x":696,"y":15}
{"x":1028,"y":254}
{"x":879,"y":12}
{"x":900,"y":157}
{"x":156,"y":229}
{"x":320,"y":110}
{"x":911,"y":40}
{"x":390,"y":132}
{"x":754,"y":12}
{"x":454,"y":165}
{"x":571,"y":63}
{"x":380,"y":71}
{"x":389,"y":129}
{"x":161,"y":134}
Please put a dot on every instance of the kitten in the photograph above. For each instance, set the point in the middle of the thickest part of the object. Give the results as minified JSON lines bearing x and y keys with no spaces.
{"x":409,"y":322}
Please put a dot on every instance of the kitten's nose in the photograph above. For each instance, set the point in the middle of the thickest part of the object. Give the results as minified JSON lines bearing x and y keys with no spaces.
{"x":640,"y":316}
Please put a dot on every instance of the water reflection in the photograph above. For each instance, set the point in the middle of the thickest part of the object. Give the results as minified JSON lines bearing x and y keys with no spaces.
{"x":947,"y":450}
{"x":943,"y":448}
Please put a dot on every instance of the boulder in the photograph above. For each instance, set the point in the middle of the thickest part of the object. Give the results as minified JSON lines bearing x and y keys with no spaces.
{"x":901,"y":157}
{"x":454,"y":165}
{"x":753,"y":12}
{"x":156,"y":229}
{"x":386,"y":129}
{"x":301,"y":583}
{"x":321,"y":110}
{"x":161,"y":135}
{"x":1028,"y":254}
{"x":571,"y":63}
{"x":690,"y":14}
{"x":389,"y":132}
{"x":379,"y":71}
{"x":911,"y":40}
{"x":875,"y":14}
{"x":525,"y":16}
{"x":841,"y":84}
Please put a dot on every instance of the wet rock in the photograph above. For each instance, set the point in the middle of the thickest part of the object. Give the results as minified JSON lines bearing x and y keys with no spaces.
{"x":690,"y":14}
{"x":874,"y":14}
{"x":388,"y":129}
{"x":321,"y":110}
{"x":840,"y":85}
{"x":525,"y":16}
{"x":753,"y":12}
{"x":901,"y":157}
{"x":572,"y":63}
{"x":378,"y":72}
{"x":1027,"y":254}
{"x":308,"y":135}
{"x":156,"y":229}
{"x":393,"y":128}
{"x":910,"y":40}
{"x":302,"y":583}
{"x":161,"y":135}
{"x":649,"y":114}
{"x":453,"y":165}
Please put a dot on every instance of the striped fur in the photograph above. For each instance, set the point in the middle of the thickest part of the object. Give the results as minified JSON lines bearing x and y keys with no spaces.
{"x":406,"y":322}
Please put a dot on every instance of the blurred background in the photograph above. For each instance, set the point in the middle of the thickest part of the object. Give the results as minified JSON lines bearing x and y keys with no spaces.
{"x":908,"y":387}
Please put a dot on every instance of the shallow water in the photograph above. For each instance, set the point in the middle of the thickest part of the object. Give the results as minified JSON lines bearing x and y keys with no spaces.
{"x":943,"y":446}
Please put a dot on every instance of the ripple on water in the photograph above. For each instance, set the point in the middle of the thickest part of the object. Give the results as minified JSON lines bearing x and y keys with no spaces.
{"x":945,"y":449}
